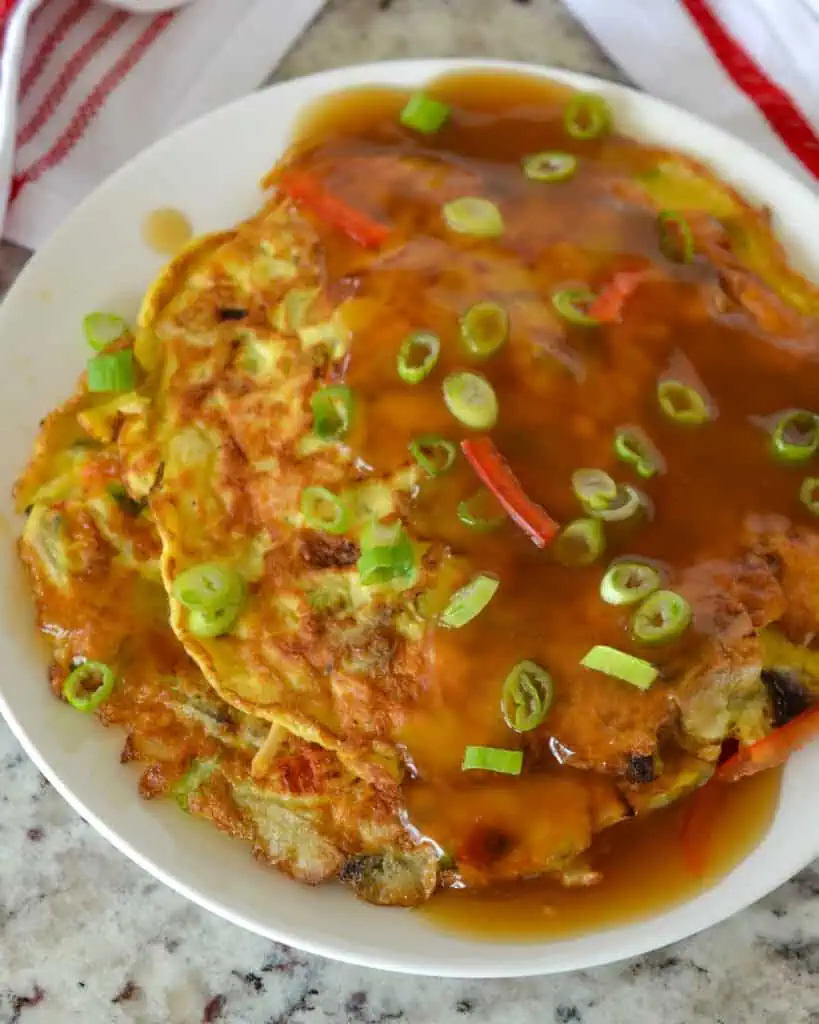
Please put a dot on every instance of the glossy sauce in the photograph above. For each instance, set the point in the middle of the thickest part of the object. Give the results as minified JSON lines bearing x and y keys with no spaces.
{"x":563,"y":393}
{"x":643,"y":869}
{"x":166,"y":230}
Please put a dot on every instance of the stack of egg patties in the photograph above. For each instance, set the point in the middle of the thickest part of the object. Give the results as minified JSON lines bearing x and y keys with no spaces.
{"x":184,"y":596}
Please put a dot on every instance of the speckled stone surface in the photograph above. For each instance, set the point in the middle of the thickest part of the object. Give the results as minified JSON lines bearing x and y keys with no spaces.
{"x":85,"y":936}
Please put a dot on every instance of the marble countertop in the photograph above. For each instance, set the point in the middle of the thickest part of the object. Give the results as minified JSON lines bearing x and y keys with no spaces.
{"x":87,"y":936}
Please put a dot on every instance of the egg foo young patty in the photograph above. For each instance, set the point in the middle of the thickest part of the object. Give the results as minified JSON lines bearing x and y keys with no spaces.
{"x":452,"y":509}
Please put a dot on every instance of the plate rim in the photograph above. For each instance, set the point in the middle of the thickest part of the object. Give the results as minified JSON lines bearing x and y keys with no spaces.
{"x":639,"y":936}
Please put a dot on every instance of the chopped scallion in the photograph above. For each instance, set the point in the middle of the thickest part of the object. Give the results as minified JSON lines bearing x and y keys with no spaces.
{"x":468,"y":602}
{"x":627,"y":503}
{"x":612,"y":662}
{"x":424,"y":114}
{"x":682,"y":403}
{"x":633,"y":447}
{"x":332,"y":412}
{"x":573,"y":305}
{"x":101,"y":329}
{"x":207,"y":623}
{"x":76,"y":691}
{"x":587,"y":116}
{"x":493,"y":759}
{"x":323,"y":510}
{"x":471,"y":399}
{"x":809,"y":494}
{"x":580,"y":543}
{"x":663,"y":616}
{"x":629,"y":582}
{"x":481,"y":512}
{"x":527,"y":696}
{"x":386,"y":554}
{"x":112,"y":371}
{"x":474,"y":215}
{"x":208,"y":586}
{"x":417,"y":356}
{"x":594,"y":488}
{"x":550,"y":166}
{"x":795,"y":437}
{"x":484,"y":329}
{"x":434,"y":454}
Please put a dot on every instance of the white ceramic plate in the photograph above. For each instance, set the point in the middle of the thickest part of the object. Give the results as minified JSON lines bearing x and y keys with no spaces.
{"x":98,"y":261}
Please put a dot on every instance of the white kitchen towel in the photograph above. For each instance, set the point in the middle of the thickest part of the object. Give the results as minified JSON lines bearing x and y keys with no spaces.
{"x":751,"y":66}
{"x":98,"y":85}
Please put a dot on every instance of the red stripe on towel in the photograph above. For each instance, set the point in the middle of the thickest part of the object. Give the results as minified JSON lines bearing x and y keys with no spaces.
{"x":81,"y":59}
{"x":38,"y":13}
{"x":775,"y":105}
{"x":93,"y":103}
{"x":45,"y":51}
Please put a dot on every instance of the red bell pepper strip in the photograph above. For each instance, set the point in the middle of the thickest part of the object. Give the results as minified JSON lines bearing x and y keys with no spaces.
{"x":494,"y":472}
{"x":706,"y":804}
{"x":307,"y":190}
{"x":773,"y":750}
{"x":608,"y":306}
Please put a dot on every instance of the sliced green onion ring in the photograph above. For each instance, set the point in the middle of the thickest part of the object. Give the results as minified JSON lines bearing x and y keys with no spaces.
{"x":481,"y":512}
{"x":629,"y":582}
{"x":383,"y":565}
{"x":208,"y":586}
{"x":484,"y":328}
{"x":594,"y":488}
{"x":527,"y":696}
{"x":323,"y":510}
{"x":549,"y":166}
{"x":663,"y":616}
{"x":493,"y":759}
{"x":474,"y":215}
{"x":82,"y":698}
{"x":626,"y":504}
{"x":376,"y":534}
{"x":417,"y":356}
{"x":633,"y":447}
{"x":386,"y":554}
{"x":612,"y":662}
{"x":471,"y":399}
{"x":682,"y":403}
{"x":434,"y":454}
{"x":676,"y":239}
{"x":332,"y":412}
{"x":112,"y":371}
{"x":580,"y":543}
{"x":587,"y":116}
{"x":572,"y":304}
{"x":468,"y":602}
{"x":795,"y":437}
{"x":424,"y":114}
{"x":208,"y":623}
{"x":809,"y":494}
{"x":214,"y":596}
{"x":101,"y":329}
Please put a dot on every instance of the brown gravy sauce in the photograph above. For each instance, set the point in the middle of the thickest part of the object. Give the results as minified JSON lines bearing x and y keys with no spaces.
{"x":643,"y":869}
{"x":500,"y":118}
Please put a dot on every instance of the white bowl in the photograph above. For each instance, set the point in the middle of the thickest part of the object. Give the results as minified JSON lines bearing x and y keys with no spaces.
{"x":98,"y":261}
